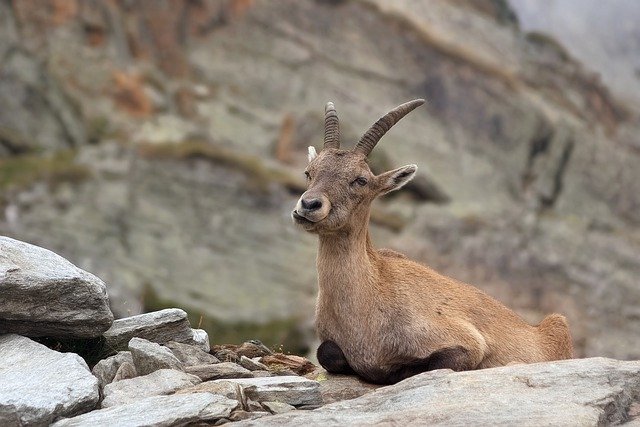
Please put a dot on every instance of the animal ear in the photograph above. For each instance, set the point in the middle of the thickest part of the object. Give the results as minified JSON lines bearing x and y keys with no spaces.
{"x":312,"y":153}
{"x":395,"y":179}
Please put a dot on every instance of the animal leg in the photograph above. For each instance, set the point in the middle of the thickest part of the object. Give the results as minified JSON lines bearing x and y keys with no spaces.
{"x":332,"y":359}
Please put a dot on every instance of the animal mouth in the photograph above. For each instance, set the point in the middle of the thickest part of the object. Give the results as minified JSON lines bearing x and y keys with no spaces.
{"x":300,"y":219}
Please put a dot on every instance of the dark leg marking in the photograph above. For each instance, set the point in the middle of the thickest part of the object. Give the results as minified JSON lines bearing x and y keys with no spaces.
{"x":455,"y":358}
{"x":332,"y":359}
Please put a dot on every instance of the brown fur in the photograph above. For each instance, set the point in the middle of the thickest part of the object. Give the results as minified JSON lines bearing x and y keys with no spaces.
{"x":392,"y":317}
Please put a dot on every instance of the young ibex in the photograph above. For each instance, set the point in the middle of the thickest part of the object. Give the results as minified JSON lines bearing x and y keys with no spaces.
{"x":381,"y":315}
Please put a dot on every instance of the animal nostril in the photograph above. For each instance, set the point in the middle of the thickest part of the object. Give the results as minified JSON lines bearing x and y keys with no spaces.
{"x":311,"y":205}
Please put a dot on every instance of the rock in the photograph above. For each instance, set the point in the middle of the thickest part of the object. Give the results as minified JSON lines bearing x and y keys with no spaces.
{"x":251,"y":349}
{"x":43,"y":294}
{"x":106,"y":369}
{"x":200,"y":338}
{"x":190,"y":355}
{"x":336,"y":388}
{"x":278,"y":407}
{"x":225,"y":355}
{"x":219,"y":371}
{"x":293,"y":390}
{"x":158,"y":411}
{"x":125,"y":371}
{"x":241,"y":415}
{"x":159,"y":326}
{"x":251,"y":364}
{"x":148,"y":357}
{"x":258,"y":374}
{"x":593,"y":392}
{"x":163,"y":381}
{"x":38,"y":385}
{"x":287,"y":362}
{"x":224,"y":388}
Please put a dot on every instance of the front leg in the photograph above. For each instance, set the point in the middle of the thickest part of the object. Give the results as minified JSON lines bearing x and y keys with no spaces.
{"x":332,"y":359}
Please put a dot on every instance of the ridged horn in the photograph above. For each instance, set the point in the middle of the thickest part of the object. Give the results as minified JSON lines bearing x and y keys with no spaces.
{"x":331,"y":127}
{"x":379,"y":128}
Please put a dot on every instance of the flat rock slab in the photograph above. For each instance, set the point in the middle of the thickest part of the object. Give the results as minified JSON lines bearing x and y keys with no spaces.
{"x":158,"y":411}
{"x":159,"y":326}
{"x":219,"y":371}
{"x":44,"y":295}
{"x":190,"y":355}
{"x":586,"y":392}
{"x":149,"y":357}
{"x":38,"y":385}
{"x":161,"y":382}
{"x":296,"y":391}
{"x":336,"y":388}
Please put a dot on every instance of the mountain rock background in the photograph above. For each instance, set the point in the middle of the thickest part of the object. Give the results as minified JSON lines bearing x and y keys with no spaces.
{"x":160,"y":145}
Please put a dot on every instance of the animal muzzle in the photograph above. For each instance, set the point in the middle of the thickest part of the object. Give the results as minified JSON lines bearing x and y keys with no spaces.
{"x":312,"y":207}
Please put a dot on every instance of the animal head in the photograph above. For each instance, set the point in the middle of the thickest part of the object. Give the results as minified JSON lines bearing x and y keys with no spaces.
{"x":341,"y":185}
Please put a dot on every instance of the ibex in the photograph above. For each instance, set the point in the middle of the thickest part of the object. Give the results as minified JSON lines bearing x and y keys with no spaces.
{"x":382,"y":316}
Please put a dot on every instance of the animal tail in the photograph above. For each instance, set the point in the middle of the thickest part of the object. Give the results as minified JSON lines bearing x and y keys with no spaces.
{"x":556,"y":339}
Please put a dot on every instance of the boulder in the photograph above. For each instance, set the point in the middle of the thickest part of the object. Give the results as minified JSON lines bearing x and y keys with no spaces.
{"x":293,"y":390}
{"x":158,"y":411}
{"x":159,"y":326}
{"x":38,"y":385}
{"x":163,"y":381}
{"x":587,"y":392}
{"x":219,"y":371}
{"x":190,"y":355}
{"x":43,"y":294}
{"x":106,"y":369}
{"x":148,"y":357}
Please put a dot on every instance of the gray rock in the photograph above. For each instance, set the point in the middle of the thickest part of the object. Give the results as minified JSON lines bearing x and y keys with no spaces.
{"x":252,"y":365}
{"x":294,"y":390}
{"x":37,"y":384}
{"x":336,"y":388}
{"x":148,"y":357}
{"x":219,"y":371}
{"x":190,"y":355}
{"x":163,"y":381}
{"x":159,"y":326}
{"x":200,"y":338}
{"x":585,"y":392}
{"x":43,"y":294}
{"x":224,"y":388}
{"x":106,"y":369}
{"x":158,"y":411}
{"x":278,"y":407}
{"x":126,"y":371}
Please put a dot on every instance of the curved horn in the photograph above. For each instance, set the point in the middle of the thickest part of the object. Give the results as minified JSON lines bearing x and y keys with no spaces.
{"x":331,"y":127}
{"x":379,"y":128}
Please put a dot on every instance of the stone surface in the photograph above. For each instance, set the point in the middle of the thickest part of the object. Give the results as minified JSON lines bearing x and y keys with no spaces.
{"x":585,"y":392}
{"x":148,"y":357}
{"x":105,"y":370}
{"x":163,"y":381}
{"x":293,"y":390}
{"x":190,"y":355}
{"x":335,"y":388}
{"x":252,"y":364}
{"x":158,"y":326}
{"x":158,"y":411}
{"x":288,"y":362}
{"x":278,"y":407}
{"x":219,"y":371}
{"x":224,"y":388}
{"x":43,"y":294}
{"x":38,"y":385}
{"x":200,"y":338}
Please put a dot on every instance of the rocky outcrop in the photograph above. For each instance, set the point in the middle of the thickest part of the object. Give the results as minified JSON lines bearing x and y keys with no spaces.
{"x":38,"y":385}
{"x":43,"y":294}
{"x":575,"y":392}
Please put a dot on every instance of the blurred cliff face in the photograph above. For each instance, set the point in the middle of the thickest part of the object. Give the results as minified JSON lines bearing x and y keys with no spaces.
{"x":160,"y":145}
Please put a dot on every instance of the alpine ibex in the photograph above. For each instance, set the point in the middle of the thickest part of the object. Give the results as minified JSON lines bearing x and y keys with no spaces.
{"x":381,"y":315}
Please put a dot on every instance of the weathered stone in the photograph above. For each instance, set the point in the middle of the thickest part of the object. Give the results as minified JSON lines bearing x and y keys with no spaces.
{"x":200,"y":338}
{"x":106,"y":369}
{"x":219,"y":371}
{"x":586,"y":392}
{"x":241,"y":415}
{"x":278,"y":407}
{"x":336,"y":388}
{"x":148,"y":357}
{"x":163,"y":381}
{"x":225,"y":355}
{"x":293,"y":390}
{"x":158,"y":411}
{"x":258,"y":374}
{"x":253,"y":348}
{"x":190,"y":355}
{"x":43,"y":294}
{"x":159,"y":326}
{"x":125,"y":371}
{"x":37,"y":384}
{"x":289,"y":363}
{"x":224,"y":388}
{"x":251,"y":364}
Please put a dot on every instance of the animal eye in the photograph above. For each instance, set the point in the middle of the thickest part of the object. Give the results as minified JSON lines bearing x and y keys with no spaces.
{"x":306,"y":173}
{"x":361,"y":181}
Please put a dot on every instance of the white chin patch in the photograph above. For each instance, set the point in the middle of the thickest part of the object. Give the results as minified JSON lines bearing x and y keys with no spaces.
{"x":312,"y":154}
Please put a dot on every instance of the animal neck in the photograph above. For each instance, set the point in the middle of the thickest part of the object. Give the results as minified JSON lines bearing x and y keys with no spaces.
{"x":346,"y":259}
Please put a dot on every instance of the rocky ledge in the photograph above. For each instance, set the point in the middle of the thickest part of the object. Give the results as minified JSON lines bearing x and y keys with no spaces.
{"x":155,"y":370}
